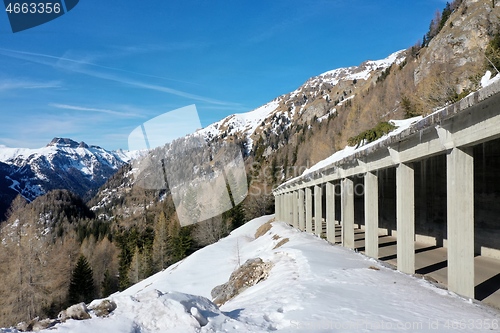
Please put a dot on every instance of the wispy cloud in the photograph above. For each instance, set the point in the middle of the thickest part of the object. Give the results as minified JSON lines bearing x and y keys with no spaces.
{"x":27,"y":84}
{"x":73,"y":64}
{"x":97,"y":110}
{"x":43,"y":59}
{"x":170,"y":47}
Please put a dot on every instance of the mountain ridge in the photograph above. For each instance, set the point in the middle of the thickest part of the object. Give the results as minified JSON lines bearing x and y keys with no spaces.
{"x":62,"y":164}
{"x":284,"y":107}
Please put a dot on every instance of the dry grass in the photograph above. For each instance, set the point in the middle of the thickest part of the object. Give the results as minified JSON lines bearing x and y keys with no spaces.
{"x":374,"y":268}
{"x":281,"y":243}
{"x":263,"y":229}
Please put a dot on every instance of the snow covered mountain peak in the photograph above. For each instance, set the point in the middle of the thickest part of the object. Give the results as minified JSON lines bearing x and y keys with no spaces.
{"x":317,"y":97}
{"x":65,"y":142}
{"x":62,"y":164}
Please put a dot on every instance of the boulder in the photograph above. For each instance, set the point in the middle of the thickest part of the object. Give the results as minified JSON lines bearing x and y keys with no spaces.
{"x":104,"y":308}
{"x":77,"y":312}
{"x":36,"y":325}
{"x":249,"y":274}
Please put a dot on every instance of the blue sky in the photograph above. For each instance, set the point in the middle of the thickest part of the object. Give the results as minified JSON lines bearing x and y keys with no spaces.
{"x":102,"y":69}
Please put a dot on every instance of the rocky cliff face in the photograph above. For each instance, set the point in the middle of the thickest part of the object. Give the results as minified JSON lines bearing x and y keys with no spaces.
{"x":461,"y":43}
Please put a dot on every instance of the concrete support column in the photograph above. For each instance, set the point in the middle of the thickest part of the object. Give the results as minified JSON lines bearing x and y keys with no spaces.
{"x":282,"y":208}
{"x":460,"y":202}
{"x":277,"y":202}
{"x":348,"y":213}
{"x":288,"y":212}
{"x":295,"y":210}
{"x":318,"y":209}
{"x":302,"y":221}
{"x":405,"y":218}
{"x":371,"y":215}
{"x":276,"y":207}
{"x":309,"y":212}
{"x":330,"y":212}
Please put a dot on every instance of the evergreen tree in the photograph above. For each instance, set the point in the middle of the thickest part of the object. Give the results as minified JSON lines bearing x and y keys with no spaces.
{"x":180,"y":240}
{"x":285,"y":165}
{"x":108,"y":285}
{"x":445,"y":15}
{"x":492,"y":53}
{"x":81,"y":288}
{"x":134,"y":271}
{"x":238,"y":216}
{"x":160,"y":243}
{"x":274,"y":169}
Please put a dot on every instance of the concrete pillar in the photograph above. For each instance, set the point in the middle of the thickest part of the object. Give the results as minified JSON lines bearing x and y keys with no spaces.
{"x":302,"y":221}
{"x":283,"y":205}
{"x":281,"y":208}
{"x":277,"y":199}
{"x":348,"y":213}
{"x":288,"y":212}
{"x":318,"y":210}
{"x":330,"y":212}
{"x":371,"y":215}
{"x":405,"y":218}
{"x":276,"y":207}
{"x":309,"y":210}
{"x":295,"y":209}
{"x":460,"y":202}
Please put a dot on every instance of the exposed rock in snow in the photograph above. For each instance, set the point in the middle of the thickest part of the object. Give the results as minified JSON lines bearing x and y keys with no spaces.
{"x":77,"y":312}
{"x":103,"y":308}
{"x":36,"y":325}
{"x":247,"y":275}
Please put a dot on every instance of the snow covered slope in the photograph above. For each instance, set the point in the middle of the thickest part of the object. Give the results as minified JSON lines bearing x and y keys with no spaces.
{"x":312,"y":287}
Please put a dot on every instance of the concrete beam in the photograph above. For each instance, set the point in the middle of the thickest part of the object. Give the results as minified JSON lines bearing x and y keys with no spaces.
{"x":318,"y":210}
{"x":460,"y":202}
{"x":405,"y":217}
{"x":371,"y":215}
{"x":309,"y":211}
{"x":330,"y":212}
{"x":301,"y":212}
{"x":348,"y":213}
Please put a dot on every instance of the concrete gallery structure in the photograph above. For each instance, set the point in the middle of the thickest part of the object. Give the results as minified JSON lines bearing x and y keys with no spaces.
{"x":436,"y":182}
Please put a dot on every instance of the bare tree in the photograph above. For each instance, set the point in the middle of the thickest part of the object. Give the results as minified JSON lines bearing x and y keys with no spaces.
{"x":210,"y":231}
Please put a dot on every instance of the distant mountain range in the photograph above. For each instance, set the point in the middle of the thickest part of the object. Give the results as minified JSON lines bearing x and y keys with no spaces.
{"x":62,"y":164}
